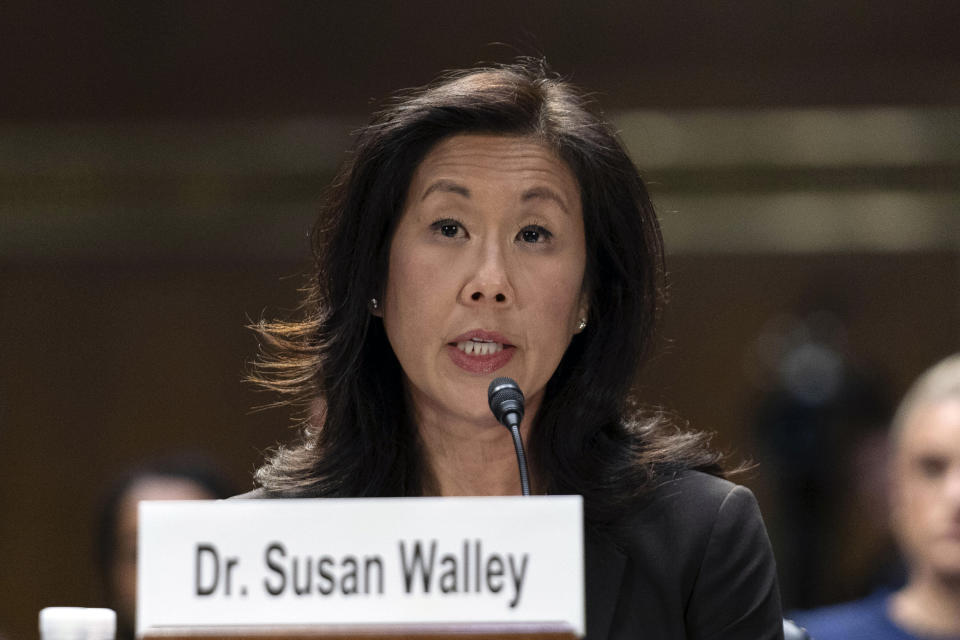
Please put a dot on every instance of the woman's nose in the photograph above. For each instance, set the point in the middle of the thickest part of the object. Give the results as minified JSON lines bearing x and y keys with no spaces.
{"x":489,"y":282}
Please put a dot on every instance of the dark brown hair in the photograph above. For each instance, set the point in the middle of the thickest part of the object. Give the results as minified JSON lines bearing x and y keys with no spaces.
{"x":586,"y":439}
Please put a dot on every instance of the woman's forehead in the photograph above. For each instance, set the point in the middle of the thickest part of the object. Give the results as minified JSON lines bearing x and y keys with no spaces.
{"x":468,"y":161}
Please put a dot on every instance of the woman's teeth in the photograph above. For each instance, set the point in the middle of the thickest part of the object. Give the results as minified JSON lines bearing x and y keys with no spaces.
{"x":472,"y":348}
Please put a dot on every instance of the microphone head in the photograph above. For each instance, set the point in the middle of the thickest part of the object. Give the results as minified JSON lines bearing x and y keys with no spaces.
{"x":505,"y":398}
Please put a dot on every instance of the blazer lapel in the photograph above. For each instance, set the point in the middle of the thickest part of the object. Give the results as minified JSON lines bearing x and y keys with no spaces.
{"x":604,"y":572}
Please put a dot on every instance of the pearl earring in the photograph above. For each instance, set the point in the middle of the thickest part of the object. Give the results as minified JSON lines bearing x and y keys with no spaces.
{"x":374,"y":304}
{"x":582,"y":325}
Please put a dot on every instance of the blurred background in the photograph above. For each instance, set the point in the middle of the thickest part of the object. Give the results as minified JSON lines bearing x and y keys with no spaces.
{"x":161,"y":162}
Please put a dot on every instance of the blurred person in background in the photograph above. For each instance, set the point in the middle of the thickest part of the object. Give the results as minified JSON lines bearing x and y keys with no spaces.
{"x":184,"y":478}
{"x":924,"y":477}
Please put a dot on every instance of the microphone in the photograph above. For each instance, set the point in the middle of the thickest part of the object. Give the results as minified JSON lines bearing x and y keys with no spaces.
{"x":506,"y":403}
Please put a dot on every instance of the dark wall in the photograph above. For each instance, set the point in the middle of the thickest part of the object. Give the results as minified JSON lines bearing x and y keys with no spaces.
{"x":135,"y":59}
{"x":108,"y":367}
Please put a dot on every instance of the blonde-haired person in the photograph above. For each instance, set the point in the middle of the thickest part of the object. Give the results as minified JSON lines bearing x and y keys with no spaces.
{"x":924,"y":478}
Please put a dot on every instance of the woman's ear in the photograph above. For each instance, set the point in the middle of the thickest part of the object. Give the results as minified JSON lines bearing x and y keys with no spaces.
{"x":583,"y":312}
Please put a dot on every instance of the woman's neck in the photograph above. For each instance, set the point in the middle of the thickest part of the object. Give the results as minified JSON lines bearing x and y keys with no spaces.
{"x":465,"y":458}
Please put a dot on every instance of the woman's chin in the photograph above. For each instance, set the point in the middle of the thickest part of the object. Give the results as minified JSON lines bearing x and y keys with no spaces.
{"x":481,"y":416}
{"x":463,"y":403}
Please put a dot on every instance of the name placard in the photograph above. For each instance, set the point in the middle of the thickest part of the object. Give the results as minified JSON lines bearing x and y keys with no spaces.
{"x":361,"y":561}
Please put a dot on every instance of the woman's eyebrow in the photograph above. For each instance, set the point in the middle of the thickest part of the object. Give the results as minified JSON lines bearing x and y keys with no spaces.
{"x":547,"y":194}
{"x":450,"y":186}
{"x":446,"y":185}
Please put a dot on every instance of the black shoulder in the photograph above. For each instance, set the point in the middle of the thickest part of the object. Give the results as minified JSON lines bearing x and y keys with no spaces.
{"x":686,"y":499}
{"x":698,"y":549}
{"x":674,"y":521}
{"x":694,"y":488}
{"x":734,"y":593}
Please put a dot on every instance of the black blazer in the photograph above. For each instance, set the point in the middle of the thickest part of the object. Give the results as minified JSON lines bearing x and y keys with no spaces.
{"x":693,"y":563}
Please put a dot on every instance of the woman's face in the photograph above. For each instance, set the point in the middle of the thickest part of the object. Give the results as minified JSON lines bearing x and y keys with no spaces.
{"x":486,"y":273}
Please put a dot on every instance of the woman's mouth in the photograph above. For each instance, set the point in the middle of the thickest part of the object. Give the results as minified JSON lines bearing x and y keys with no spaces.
{"x":481,"y":353}
{"x":476,"y":347}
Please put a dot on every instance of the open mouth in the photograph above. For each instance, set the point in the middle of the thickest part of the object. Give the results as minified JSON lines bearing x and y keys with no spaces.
{"x":478,"y":347}
{"x":481,"y":352}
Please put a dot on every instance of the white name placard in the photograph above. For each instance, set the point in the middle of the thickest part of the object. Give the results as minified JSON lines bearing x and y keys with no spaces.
{"x":361,"y":561}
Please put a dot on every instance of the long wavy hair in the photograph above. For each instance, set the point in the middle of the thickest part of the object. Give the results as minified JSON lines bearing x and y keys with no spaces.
{"x":588,"y":438}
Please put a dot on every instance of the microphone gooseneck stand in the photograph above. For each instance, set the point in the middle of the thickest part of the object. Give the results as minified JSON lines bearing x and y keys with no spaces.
{"x":506,"y":402}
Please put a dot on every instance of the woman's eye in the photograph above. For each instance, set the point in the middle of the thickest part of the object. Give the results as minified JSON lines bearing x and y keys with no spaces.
{"x":534,"y":234}
{"x":448,"y":228}
{"x":931,"y":467}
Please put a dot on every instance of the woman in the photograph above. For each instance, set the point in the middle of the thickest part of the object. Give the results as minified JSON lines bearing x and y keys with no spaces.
{"x":490,"y":224}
